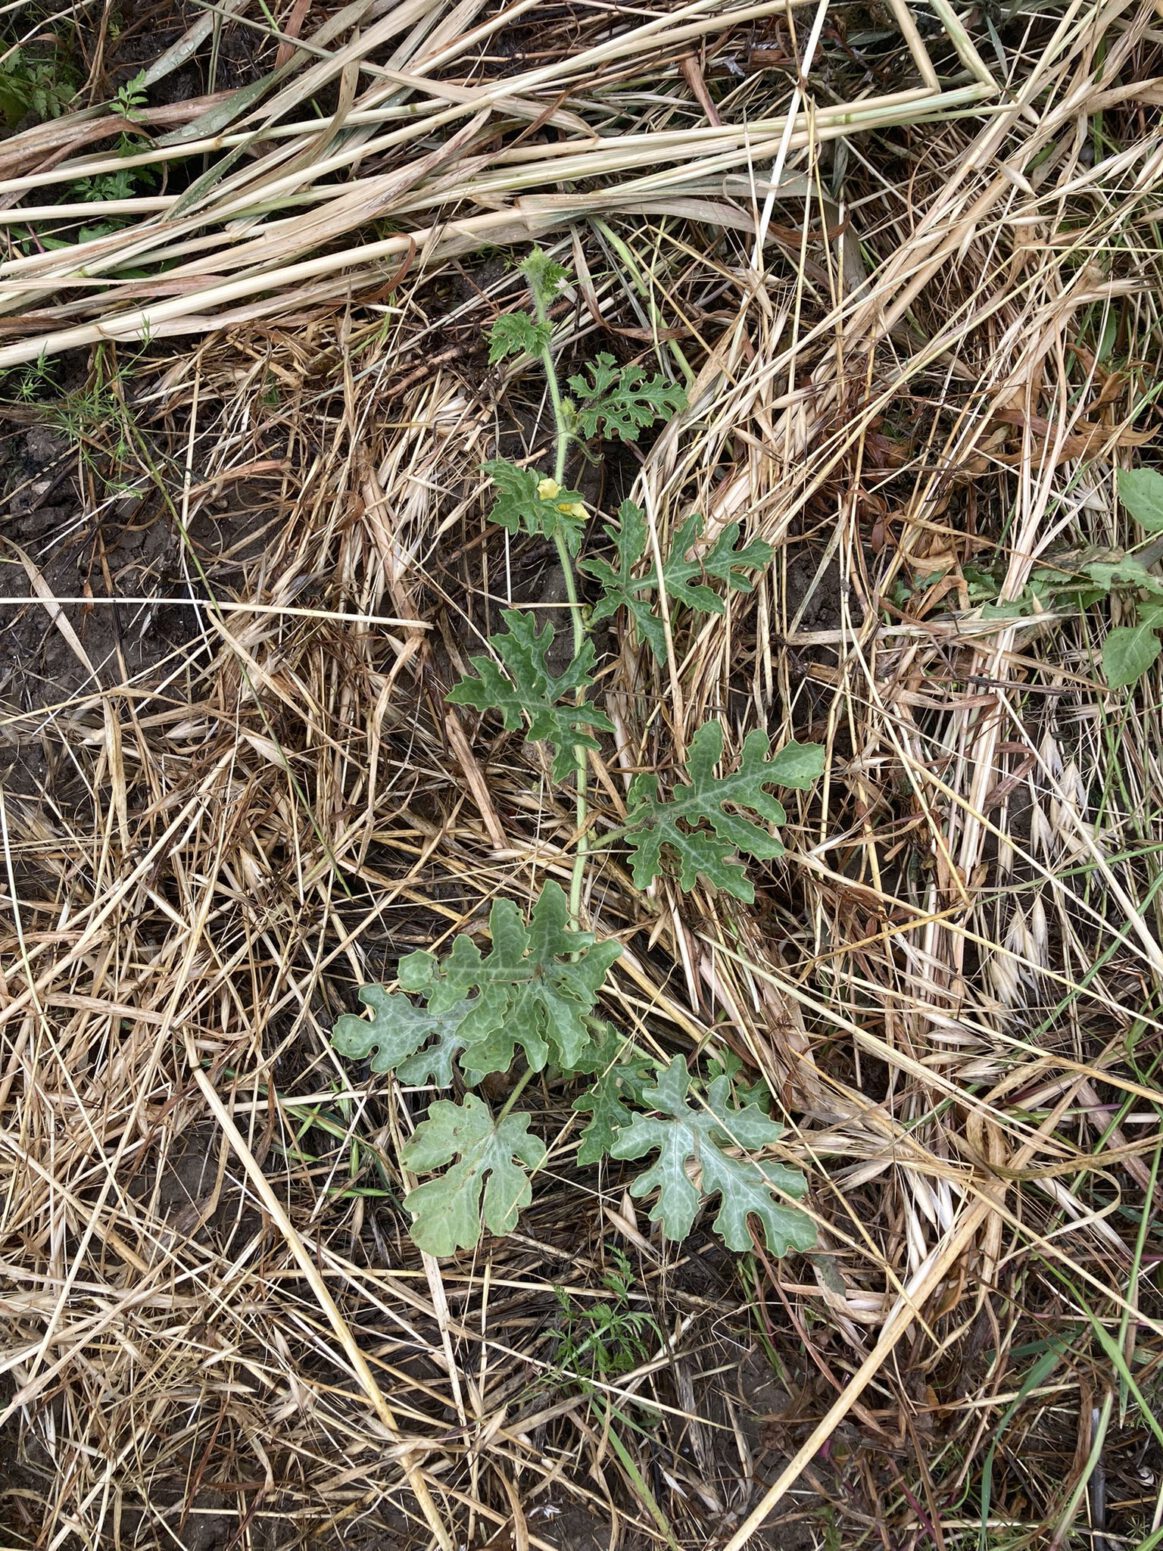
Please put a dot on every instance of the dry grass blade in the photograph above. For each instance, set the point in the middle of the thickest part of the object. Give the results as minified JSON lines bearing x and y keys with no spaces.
{"x":190,"y":241}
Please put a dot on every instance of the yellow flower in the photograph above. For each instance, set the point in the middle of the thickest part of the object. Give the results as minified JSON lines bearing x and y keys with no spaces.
{"x":547,"y":489}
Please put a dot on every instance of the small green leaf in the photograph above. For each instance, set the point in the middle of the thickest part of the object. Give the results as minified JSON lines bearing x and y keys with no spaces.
{"x":516,"y":333}
{"x":416,"y":970}
{"x":725,"y":1063}
{"x":683,"y":579}
{"x":621,"y":1077}
{"x":1141,"y":492}
{"x":532,"y":693}
{"x":695,"y":825}
{"x":486,"y":1182}
{"x":536,"y":988}
{"x":529,"y":502}
{"x":544,"y":275}
{"x":1127,"y":573}
{"x":689,"y":1138}
{"x":1127,"y":653}
{"x":603,"y":1102}
{"x":1018,"y":609}
{"x":396,"y":1034}
{"x":798,"y":765}
{"x":622,"y":401}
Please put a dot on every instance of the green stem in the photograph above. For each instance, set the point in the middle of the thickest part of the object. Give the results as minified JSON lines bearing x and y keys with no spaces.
{"x":519,"y":1087}
{"x":612,"y":837}
{"x":561,"y":421}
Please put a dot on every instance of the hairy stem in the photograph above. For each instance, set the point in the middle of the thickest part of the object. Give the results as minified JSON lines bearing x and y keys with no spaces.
{"x":517,"y":1090}
{"x":575,"y":613}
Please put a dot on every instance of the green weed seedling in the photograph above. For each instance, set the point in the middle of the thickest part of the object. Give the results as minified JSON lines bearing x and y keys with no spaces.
{"x":98,"y":418}
{"x":531,"y":1003}
{"x":131,"y":97}
{"x":1098,"y":576}
{"x":1082,"y":579}
{"x":603,"y":1339}
{"x":33,"y":86}
{"x":1129,"y":650}
{"x":126,"y":182}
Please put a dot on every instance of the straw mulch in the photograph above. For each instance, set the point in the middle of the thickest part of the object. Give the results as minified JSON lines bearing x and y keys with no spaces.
{"x":911,"y":258}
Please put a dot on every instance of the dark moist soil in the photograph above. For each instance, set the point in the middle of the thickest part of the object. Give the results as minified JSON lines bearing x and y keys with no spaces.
{"x":133,"y":606}
{"x":146,"y":29}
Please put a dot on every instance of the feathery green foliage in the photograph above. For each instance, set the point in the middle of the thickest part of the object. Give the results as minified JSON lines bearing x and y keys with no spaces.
{"x":34,"y":85}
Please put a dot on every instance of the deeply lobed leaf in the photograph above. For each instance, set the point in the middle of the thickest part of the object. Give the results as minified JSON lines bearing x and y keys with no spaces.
{"x":516,"y":333}
{"x":535,"y":989}
{"x":698,"y":825}
{"x":530,"y":692}
{"x":693,"y":1139}
{"x":544,"y":275}
{"x":400,"y":1036}
{"x":485,"y":1185}
{"x":620,"y":1079}
{"x":528,"y":502}
{"x":622,"y":401}
{"x":683,"y":579}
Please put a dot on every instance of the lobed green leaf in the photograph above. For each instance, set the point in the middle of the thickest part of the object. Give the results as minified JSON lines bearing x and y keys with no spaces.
{"x":486,"y":1185}
{"x":691,"y":1139}
{"x":536,"y":988}
{"x":698,"y":825}
{"x":529,"y":502}
{"x":622,"y":401}
{"x":516,"y":333}
{"x":621,"y":1078}
{"x":544,"y":276}
{"x":683,"y":579}
{"x":530,"y":692}
{"x":400,"y":1036}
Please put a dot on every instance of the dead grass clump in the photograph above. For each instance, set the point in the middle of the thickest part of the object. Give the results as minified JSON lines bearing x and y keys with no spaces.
{"x":911,"y":265}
